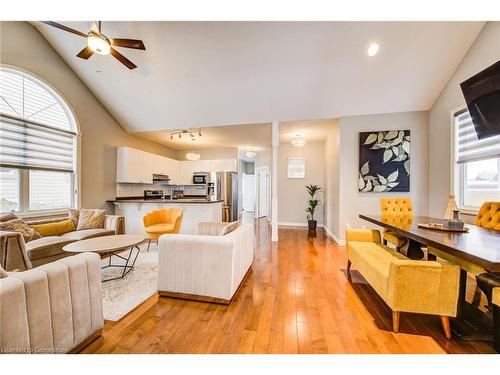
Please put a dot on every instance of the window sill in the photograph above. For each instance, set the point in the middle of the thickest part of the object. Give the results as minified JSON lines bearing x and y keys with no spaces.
{"x":468,"y":211}
{"x":42,"y":214}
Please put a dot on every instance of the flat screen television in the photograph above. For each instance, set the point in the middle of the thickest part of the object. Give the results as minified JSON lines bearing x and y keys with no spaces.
{"x":482,"y":94}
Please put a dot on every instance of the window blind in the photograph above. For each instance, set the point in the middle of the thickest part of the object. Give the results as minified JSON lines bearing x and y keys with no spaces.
{"x":28,"y":145}
{"x":469,"y":147}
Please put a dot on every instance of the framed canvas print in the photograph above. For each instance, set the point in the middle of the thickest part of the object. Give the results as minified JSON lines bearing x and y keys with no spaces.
{"x":296,"y":168}
{"x":384,"y":161}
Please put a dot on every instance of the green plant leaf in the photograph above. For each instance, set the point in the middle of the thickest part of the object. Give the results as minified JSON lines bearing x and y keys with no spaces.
{"x":380,"y":137}
{"x":406,"y":146}
{"x":387,"y":155}
{"x":382,"y":179}
{"x":361,"y":183}
{"x":407,"y":166}
{"x":365,"y":168}
{"x":393,"y":176}
{"x":379,"y":188}
{"x":370,"y":139}
{"x":391,"y":134}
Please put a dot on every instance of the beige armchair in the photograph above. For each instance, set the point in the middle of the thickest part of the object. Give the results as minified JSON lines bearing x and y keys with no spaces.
{"x":55,"y":308}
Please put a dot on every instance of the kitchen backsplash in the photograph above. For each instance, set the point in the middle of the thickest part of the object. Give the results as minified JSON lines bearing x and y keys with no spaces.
{"x":137,"y":190}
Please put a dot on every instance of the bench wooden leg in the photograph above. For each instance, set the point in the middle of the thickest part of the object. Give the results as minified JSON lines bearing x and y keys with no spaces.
{"x":349,"y":270}
{"x":395,"y":321}
{"x":496,"y":328}
{"x":445,"y":322}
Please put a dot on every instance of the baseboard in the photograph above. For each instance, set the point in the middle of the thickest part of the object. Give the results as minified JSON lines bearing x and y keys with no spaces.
{"x":292,"y":224}
{"x":333,"y":237}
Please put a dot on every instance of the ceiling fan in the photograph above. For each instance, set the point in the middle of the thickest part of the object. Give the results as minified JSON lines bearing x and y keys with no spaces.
{"x":98,"y":42}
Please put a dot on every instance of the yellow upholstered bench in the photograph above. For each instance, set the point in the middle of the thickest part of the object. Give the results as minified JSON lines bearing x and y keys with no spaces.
{"x":425,"y":287}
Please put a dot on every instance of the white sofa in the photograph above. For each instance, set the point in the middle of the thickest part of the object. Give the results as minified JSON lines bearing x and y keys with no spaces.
{"x":55,"y":308}
{"x":206,"y":266}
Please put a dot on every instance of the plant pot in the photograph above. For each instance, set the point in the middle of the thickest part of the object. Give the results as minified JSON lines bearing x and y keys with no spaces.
{"x":312,"y":224}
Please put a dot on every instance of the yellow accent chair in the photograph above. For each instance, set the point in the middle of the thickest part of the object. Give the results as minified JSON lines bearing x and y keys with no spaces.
{"x":414,"y":286}
{"x":159,"y":222}
{"x":489,"y":216}
{"x":397,"y":211}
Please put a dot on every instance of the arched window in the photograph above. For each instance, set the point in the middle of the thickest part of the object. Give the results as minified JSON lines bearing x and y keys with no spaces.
{"x":37,"y":145}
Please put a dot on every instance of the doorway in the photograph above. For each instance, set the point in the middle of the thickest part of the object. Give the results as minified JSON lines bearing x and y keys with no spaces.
{"x":262,"y":190}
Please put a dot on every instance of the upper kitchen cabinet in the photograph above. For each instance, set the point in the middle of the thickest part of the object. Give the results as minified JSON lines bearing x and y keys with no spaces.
{"x":224,"y":165}
{"x":188,"y":168}
{"x":133,"y":166}
{"x":166,"y":166}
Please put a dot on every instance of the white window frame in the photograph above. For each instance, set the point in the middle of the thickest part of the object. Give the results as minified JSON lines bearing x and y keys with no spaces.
{"x":24,"y":211}
{"x":457,"y":171}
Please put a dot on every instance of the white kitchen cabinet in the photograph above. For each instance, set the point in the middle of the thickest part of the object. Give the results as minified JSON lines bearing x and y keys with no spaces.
{"x":166,"y":166}
{"x":189,"y":167}
{"x":173,"y":170}
{"x":134,"y":166}
{"x":224,"y":165}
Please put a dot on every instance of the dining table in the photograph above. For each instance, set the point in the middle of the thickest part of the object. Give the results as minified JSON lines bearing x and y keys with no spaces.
{"x":478,"y":246}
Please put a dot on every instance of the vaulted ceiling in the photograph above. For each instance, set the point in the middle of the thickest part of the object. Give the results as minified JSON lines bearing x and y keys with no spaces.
{"x":198,"y":74}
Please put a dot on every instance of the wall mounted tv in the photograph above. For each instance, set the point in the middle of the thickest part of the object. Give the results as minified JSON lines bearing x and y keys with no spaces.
{"x":482,"y":94}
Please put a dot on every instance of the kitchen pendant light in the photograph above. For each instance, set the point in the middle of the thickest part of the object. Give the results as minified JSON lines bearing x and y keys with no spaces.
{"x":298,"y":141}
{"x":193,"y":156}
{"x":251,"y":153}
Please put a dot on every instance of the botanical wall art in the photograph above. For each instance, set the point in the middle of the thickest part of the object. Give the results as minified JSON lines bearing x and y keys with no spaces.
{"x":384,"y":161}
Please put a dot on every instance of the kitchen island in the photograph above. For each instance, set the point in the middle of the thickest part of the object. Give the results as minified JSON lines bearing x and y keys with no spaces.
{"x":194,"y":211}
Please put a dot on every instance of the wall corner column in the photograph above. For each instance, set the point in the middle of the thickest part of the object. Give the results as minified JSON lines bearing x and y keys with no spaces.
{"x":274,"y":183}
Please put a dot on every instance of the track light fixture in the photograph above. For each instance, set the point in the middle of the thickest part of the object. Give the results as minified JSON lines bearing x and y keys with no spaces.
{"x":191,"y":133}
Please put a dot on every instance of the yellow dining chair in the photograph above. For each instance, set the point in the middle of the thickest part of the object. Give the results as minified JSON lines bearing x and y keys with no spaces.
{"x":397,"y":211}
{"x":164,"y":221}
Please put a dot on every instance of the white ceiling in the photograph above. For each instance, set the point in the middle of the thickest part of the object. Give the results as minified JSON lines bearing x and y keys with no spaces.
{"x":197,"y":74}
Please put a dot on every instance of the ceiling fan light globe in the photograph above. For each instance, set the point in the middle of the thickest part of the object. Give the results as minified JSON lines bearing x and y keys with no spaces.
{"x":98,"y":44}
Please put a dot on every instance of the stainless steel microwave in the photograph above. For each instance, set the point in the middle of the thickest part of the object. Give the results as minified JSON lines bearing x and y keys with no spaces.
{"x":200,"y":178}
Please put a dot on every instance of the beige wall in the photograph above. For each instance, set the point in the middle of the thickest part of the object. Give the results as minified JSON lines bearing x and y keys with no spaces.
{"x":352,"y":203}
{"x":331,"y":179}
{"x":484,"y":52}
{"x":292,"y":193}
{"x":22,"y":46}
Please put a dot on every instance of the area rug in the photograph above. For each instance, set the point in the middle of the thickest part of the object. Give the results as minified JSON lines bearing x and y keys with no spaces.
{"x":123,"y":295}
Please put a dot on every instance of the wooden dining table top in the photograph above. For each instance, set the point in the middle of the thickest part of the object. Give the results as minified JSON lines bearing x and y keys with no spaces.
{"x":479,"y":246}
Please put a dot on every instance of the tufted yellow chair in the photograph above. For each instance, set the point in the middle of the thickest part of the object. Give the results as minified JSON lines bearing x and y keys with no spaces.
{"x":164,"y":221}
{"x":396,"y":211}
{"x":489,"y":216}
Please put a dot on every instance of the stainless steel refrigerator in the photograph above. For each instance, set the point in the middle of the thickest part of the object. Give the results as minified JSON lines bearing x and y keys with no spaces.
{"x":226,"y":190}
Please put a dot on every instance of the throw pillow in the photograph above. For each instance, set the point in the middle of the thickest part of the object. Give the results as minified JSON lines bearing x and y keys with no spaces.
{"x":56,"y":228}
{"x":8,"y":217}
{"x":74,"y":214}
{"x":228,"y":228}
{"x":3,"y":273}
{"x":91,"y":219}
{"x":19,"y":225}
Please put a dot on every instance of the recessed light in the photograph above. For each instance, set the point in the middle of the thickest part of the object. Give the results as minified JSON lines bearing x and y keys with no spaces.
{"x":373,"y":49}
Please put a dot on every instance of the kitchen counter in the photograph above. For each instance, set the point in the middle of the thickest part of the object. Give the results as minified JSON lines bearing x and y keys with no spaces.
{"x":194,"y":210}
{"x":163,"y":201}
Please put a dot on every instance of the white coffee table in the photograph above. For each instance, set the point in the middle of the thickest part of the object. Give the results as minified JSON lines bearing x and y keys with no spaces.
{"x":111,"y":245}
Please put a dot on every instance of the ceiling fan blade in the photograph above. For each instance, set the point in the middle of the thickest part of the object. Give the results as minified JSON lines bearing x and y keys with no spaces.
{"x":94,"y":28}
{"x":129,"y":64}
{"x":128,"y":43}
{"x":65,"y":28}
{"x":85,"y":53}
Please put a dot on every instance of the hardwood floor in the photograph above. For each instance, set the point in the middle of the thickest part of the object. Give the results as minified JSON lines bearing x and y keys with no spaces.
{"x":296,"y":299}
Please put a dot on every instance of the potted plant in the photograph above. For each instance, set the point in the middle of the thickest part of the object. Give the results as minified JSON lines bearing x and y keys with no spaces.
{"x":313,"y":204}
